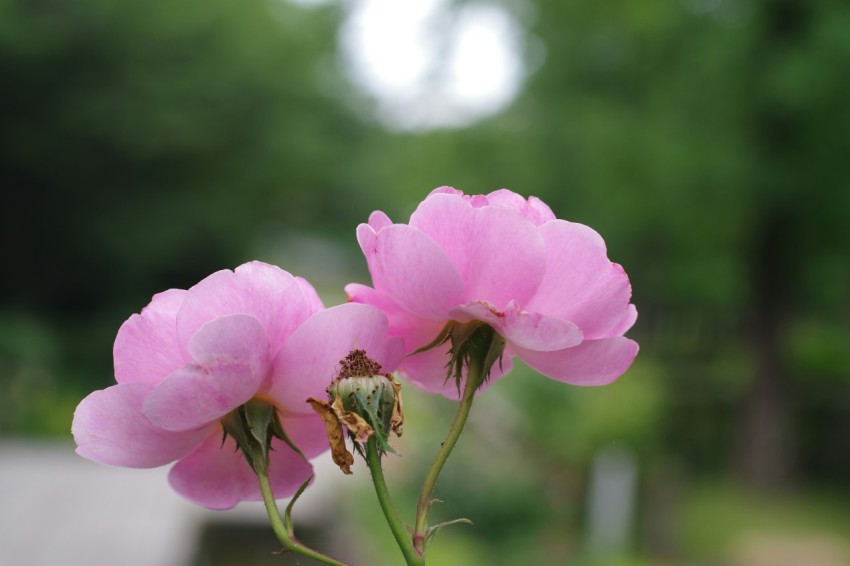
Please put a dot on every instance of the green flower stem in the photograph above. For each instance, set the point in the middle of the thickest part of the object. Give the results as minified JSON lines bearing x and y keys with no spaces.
{"x":284,"y":533}
{"x":475,"y":375}
{"x":400,"y":532}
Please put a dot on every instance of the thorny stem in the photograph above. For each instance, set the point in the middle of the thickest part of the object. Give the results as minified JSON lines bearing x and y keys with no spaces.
{"x":474,"y":377}
{"x":285,"y":534}
{"x":400,"y":532}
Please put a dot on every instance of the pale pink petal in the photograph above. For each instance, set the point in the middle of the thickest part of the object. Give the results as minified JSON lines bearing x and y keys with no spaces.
{"x":218,"y":476}
{"x":269,"y":294}
{"x":477,"y":201}
{"x":446,"y":190}
{"x":498,"y":254}
{"x":378,"y":220}
{"x":309,"y":360}
{"x":215,"y":475}
{"x":483,"y":311}
{"x":109,"y":428}
{"x":414,"y":330}
{"x":593,"y":362}
{"x":537,"y":331}
{"x":366,"y":238}
{"x":146,"y":349}
{"x":415,"y":272}
{"x":232,"y":363}
{"x":534,"y":210}
{"x":580,"y":284}
{"x":538,"y":211}
{"x":358,"y":293}
{"x":427,"y":371}
{"x":307,"y":432}
{"x":530,"y":330}
{"x":624,"y":325}
{"x":311,"y":295}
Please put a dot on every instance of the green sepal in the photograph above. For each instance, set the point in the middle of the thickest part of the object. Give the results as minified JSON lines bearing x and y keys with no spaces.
{"x":252,"y":426}
{"x":473,"y":343}
{"x":236,"y":425}
{"x":259,"y":416}
{"x":372,"y":398}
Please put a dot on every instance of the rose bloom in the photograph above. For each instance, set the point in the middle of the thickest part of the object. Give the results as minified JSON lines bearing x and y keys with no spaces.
{"x":191,"y":357}
{"x":545,"y":285}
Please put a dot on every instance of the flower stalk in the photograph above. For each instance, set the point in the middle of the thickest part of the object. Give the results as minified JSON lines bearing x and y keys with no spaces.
{"x":400,"y":530}
{"x":282,"y":527}
{"x":475,"y":376}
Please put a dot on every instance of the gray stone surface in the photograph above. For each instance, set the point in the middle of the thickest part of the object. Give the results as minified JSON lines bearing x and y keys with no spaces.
{"x":57,"y":508}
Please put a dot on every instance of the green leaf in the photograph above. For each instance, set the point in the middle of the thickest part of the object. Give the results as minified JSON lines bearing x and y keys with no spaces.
{"x":432,"y":532}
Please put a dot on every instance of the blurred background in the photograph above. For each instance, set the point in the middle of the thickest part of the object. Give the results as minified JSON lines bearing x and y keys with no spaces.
{"x":147,"y":143}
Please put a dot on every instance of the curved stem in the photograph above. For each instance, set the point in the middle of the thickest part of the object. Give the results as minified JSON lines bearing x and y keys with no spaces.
{"x":475,"y":375}
{"x":400,"y":532}
{"x":284,"y":534}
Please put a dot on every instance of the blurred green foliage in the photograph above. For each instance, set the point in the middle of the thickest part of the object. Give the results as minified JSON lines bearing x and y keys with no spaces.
{"x":147,"y":143}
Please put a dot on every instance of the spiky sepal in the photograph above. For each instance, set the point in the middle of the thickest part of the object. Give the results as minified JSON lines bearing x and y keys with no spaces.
{"x":252,"y":426}
{"x":473,"y":342}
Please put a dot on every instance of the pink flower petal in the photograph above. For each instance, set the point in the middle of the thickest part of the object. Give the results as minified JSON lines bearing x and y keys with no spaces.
{"x":534,"y":210}
{"x":310,"y":294}
{"x":498,"y":254}
{"x":414,"y":330}
{"x":525,"y":329}
{"x":412,"y":269}
{"x":593,"y":362}
{"x":109,"y":428}
{"x":366,"y":236}
{"x":309,"y":360}
{"x":538,"y":332}
{"x":218,"y":476}
{"x":478,"y":310}
{"x":379,"y":220}
{"x":446,"y":190}
{"x":232,"y":362}
{"x":580,"y":284}
{"x":427,"y":371}
{"x":624,"y":325}
{"x":307,"y":432}
{"x":269,"y":294}
{"x":146,"y":349}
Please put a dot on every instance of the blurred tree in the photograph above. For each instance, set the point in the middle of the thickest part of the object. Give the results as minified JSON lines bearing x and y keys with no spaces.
{"x":148,"y":143}
{"x":705,"y":141}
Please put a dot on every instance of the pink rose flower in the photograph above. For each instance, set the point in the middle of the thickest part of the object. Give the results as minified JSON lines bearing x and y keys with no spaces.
{"x":545,"y":285}
{"x":191,"y":357}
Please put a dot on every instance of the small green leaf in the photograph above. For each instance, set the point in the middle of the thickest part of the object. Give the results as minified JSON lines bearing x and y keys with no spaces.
{"x":432,"y":532}
{"x":287,"y":515}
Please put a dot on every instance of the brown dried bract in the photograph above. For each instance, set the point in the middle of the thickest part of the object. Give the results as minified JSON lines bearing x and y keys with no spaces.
{"x":340,"y":454}
{"x":355,"y":424}
{"x":398,"y":415}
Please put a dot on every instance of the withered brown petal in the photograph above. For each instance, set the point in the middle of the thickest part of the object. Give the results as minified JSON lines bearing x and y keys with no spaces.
{"x":340,"y":454}
{"x":356,"y":424}
{"x":398,"y":415}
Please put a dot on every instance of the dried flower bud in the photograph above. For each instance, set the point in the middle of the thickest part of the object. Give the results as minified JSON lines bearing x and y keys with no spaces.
{"x":366,"y":401}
